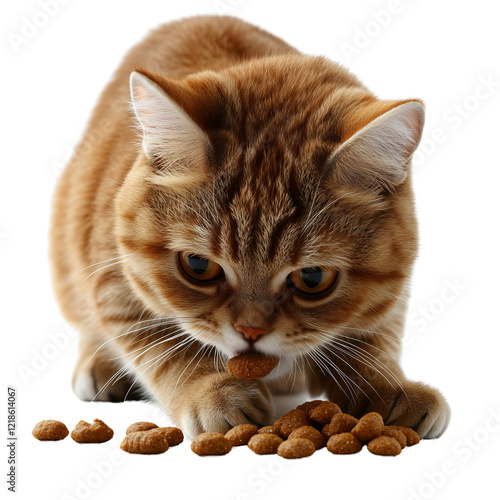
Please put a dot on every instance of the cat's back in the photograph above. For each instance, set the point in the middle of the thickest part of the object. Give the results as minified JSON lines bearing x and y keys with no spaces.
{"x":83,"y":209}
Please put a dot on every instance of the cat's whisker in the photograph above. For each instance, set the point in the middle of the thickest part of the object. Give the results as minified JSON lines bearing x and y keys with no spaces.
{"x":159,"y":359}
{"x":126,"y":370}
{"x":329,"y":361}
{"x":363,"y":355}
{"x":128,"y":332}
{"x":185,"y":368}
{"x":103,"y":261}
{"x":364,"y":330}
{"x":104,"y":267}
{"x":164,"y":338}
{"x":140,"y":338}
{"x":346,"y":337}
{"x":312,"y":355}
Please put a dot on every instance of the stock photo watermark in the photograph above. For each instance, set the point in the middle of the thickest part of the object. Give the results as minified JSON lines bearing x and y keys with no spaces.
{"x":365,"y":33}
{"x":462,"y":451}
{"x":101,"y":471}
{"x":455,"y":115}
{"x":226,"y":7}
{"x":42,"y":357}
{"x":426,"y":315}
{"x":33,"y":24}
{"x":259,"y":481}
{"x":11,"y":438}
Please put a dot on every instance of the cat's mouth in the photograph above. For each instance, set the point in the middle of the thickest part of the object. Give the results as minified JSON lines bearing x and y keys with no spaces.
{"x":250,"y":350}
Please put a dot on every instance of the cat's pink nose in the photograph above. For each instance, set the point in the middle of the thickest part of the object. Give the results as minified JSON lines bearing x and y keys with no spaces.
{"x":250,"y":332}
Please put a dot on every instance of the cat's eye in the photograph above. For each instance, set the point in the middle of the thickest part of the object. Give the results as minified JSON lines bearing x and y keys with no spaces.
{"x":313,"y":280}
{"x":199,"y":268}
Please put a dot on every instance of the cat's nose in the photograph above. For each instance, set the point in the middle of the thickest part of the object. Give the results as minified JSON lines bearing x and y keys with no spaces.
{"x":251,"y":333}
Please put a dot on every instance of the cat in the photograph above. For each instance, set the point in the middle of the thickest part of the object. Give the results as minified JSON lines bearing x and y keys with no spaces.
{"x":230,"y":195}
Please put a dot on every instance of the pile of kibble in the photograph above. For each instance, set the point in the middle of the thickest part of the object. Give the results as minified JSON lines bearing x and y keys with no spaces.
{"x":297,"y":434}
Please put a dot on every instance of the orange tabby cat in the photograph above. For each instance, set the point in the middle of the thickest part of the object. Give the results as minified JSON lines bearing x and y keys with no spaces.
{"x":232,"y":194}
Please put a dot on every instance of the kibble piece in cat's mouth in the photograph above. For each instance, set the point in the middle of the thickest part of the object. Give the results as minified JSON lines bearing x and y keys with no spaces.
{"x":251,"y":364}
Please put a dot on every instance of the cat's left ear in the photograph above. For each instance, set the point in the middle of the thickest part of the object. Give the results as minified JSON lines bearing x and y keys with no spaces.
{"x":377,"y":156}
{"x":167,"y":113}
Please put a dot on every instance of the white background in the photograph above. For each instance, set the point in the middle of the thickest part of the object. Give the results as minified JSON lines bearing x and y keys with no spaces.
{"x":440,"y":51}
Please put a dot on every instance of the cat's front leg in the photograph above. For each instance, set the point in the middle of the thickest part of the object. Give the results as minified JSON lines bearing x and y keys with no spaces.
{"x":375,"y":382}
{"x":216,"y":402}
{"x":415,"y":405}
{"x":203,"y":397}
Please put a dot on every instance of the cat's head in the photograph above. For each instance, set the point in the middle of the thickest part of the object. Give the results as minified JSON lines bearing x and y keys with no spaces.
{"x":271,"y":207}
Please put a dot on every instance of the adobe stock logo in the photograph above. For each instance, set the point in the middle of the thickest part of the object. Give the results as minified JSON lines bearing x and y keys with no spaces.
{"x":454,"y":116}
{"x":425,"y":315}
{"x":32,"y":25}
{"x":463,"y":450}
{"x":364,"y":35}
{"x":42,"y":357}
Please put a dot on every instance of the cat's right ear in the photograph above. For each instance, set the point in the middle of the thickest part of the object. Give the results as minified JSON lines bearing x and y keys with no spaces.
{"x":172,"y":140}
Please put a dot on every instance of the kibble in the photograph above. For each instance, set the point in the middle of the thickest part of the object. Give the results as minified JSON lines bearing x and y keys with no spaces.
{"x":252,"y":365}
{"x":211,"y":443}
{"x":97,"y":432}
{"x":308,"y":432}
{"x":369,"y":427}
{"x":264,"y":444}
{"x":270,"y":429}
{"x":309,"y":405}
{"x":296,"y":448}
{"x":344,"y":444}
{"x":50,"y":430}
{"x":324,"y":412}
{"x":291,"y":421}
{"x":412,"y":437}
{"x":149,"y":442}
{"x":241,"y":434}
{"x":140,"y":426}
{"x":397,"y":435}
{"x":385,"y":446}
{"x":342,"y":422}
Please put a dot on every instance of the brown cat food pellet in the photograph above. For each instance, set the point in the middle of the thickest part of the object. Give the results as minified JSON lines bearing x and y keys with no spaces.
{"x":384,"y":445}
{"x":344,"y":444}
{"x":149,"y":442}
{"x":412,"y":437}
{"x":397,"y":435}
{"x":296,"y":448}
{"x":264,"y":444}
{"x":211,"y":443}
{"x":50,"y":430}
{"x":140,"y":426}
{"x":369,"y":427}
{"x":324,"y":412}
{"x":325,"y":431}
{"x":291,"y":421}
{"x":270,"y":429}
{"x":241,"y":434}
{"x":98,"y":432}
{"x":342,"y":422}
{"x":251,"y":365}
{"x":308,"y":432}
{"x":309,"y":405}
{"x":173,"y":434}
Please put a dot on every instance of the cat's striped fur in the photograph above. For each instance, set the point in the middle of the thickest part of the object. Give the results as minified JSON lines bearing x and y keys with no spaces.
{"x":265,"y":161}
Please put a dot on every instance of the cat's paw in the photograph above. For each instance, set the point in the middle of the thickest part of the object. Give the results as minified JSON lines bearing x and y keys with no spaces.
{"x":219,"y":401}
{"x":419,"y":406}
{"x":97,"y":378}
